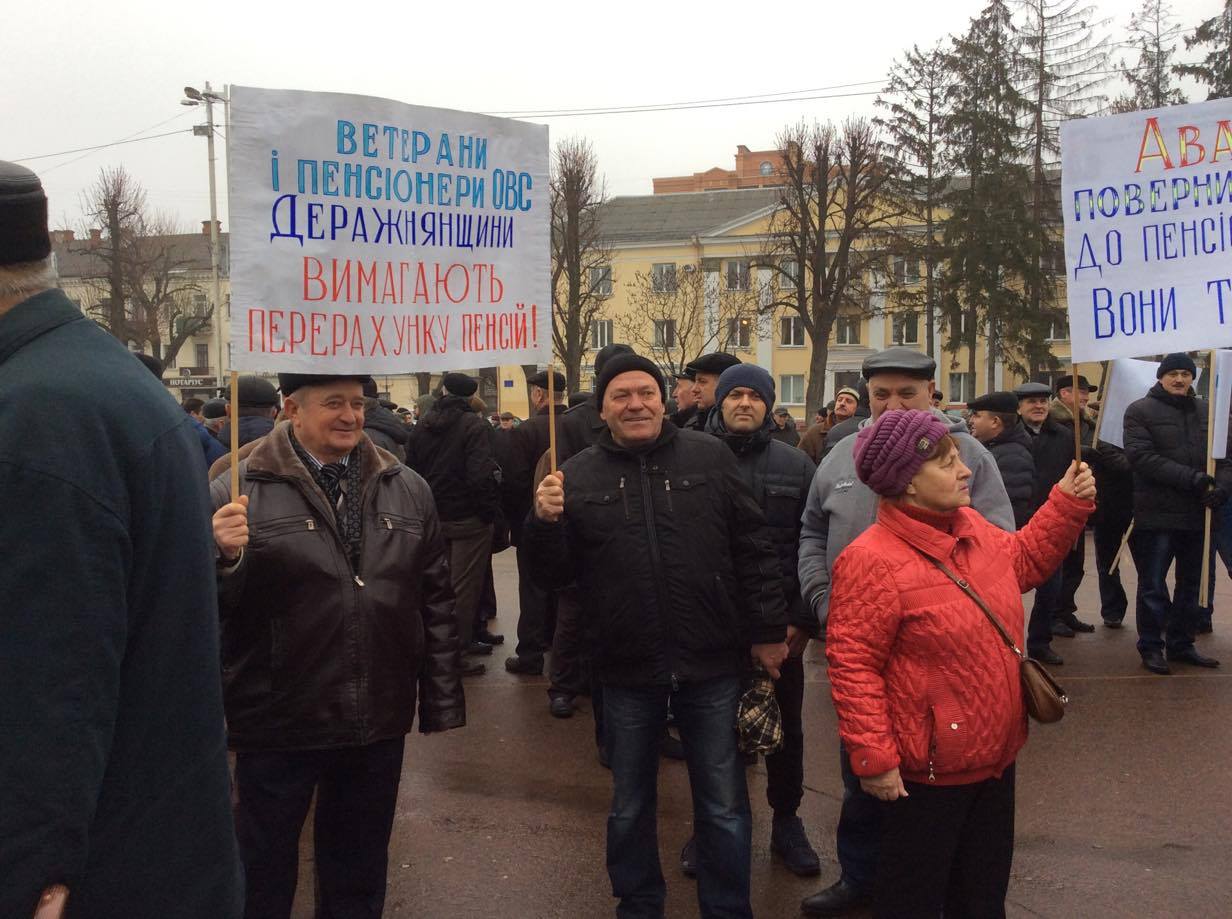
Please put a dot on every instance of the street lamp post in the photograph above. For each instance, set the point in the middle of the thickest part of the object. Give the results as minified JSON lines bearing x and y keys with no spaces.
{"x":208,"y":98}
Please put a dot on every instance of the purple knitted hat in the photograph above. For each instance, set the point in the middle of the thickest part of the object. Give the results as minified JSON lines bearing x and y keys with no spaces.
{"x":891,"y":451}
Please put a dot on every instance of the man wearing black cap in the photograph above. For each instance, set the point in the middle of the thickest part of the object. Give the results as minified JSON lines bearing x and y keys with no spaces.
{"x":384,"y":426}
{"x":1052,"y":449}
{"x":840,"y":507}
{"x":536,"y":606}
{"x":451,"y":448}
{"x":682,"y":395}
{"x":1165,"y":440}
{"x":1061,"y":410}
{"x":337,"y":618}
{"x":994,"y":422}
{"x":845,"y":425}
{"x":672,"y":555}
{"x":214,"y":415}
{"x":706,"y":371}
{"x":258,"y":408}
{"x":113,"y":772}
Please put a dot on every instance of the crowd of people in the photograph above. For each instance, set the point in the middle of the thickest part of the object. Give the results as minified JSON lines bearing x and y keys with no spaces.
{"x":676,"y":547}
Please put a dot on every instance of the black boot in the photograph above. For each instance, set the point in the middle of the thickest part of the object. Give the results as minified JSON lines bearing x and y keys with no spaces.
{"x":790,"y":843}
{"x":839,"y":899}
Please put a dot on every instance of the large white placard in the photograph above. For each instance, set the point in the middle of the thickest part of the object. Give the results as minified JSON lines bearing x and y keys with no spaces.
{"x":1147,"y":199}
{"x":372,"y":236}
{"x":1223,"y":403}
{"x":1128,"y":381}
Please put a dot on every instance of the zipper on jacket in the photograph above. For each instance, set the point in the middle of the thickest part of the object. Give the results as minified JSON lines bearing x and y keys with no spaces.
{"x":660,"y":584}
{"x":667,"y":490}
{"x":387,"y":523}
{"x":624,"y":498}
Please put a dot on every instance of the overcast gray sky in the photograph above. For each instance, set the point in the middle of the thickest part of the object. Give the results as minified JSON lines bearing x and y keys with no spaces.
{"x":82,"y":73}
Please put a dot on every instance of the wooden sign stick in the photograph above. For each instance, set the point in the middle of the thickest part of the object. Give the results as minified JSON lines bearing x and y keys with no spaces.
{"x":1105,"y":380}
{"x":551,"y":418}
{"x":1116,"y":561}
{"x":1205,"y":588}
{"x":1074,"y":397}
{"x":235,"y":435}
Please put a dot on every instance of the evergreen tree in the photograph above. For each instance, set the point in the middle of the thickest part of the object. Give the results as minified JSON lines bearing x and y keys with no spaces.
{"x":989,"y":224}
{"x":915,"y":101}
{"x":1065,"y":65}
{"x":1214,"y":70}
{"x":1152,"y":32}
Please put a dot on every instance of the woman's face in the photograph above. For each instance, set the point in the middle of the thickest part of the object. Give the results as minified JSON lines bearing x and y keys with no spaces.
{"x":941,"y":483}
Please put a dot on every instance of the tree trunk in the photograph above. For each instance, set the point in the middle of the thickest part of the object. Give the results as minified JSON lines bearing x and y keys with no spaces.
{"x":423,"y":382}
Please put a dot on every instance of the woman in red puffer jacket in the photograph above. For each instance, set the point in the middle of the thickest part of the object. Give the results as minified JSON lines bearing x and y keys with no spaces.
{"x":928,"y":696}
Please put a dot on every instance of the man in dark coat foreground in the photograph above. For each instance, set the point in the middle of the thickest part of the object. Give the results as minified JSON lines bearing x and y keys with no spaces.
{"x":664,"y":539}
{"x":113,"y":772}
{"x":994,"y":422}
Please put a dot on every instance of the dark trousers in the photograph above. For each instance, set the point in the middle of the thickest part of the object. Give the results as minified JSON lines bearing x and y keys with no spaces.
{"x":947,"y":849}
{"x":536,"y":612}
{"x":705,"y":713}
{"x":1167,"y":622}
{"x":858,"y":841}
{"x":1221,"y":550}
{"x":486,"y":609}
{"x":1112,"y":599}
{"x":357,"y":788}
{"x":570,"y":670}
{"x":470,"y":556}
{"x":1043,"y":611}
{"x":785,"y":769}
{"x":1072,"y":571}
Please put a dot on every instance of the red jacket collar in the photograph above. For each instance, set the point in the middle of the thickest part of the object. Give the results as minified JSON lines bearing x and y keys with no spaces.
{"x":920,"y":535}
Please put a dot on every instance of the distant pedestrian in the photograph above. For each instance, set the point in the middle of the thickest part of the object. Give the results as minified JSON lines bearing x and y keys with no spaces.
{"x":706,"y":370}
{"x":994,"y":422}
{"x":259,"y":406}
{"x":784,"y":427}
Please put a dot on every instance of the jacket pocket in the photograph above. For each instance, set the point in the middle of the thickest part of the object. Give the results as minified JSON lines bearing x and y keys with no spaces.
{"x":606,"y":507}
{"x":951,"y":735}
{"x":685,"y":495}
{"x":783,"y":507}
{"x":389,"y":523}
{"x":266,"y":530}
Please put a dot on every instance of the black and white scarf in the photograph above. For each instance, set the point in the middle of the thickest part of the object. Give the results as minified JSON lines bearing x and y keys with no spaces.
{"x":341,"y":484}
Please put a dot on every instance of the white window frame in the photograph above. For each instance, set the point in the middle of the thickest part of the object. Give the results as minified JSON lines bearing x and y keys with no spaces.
{"x":738,"y":270}
{"x":665,"y":334}
{"x":739,"y":333}
{"x":790,"y":386}
{"x":663,"y":278}
{"x":962,"y":386}
{"x":796,"y":324}
{"x":600,"y":334}
{"x":601,"y":280}
{"x":900,"y":326}
{"x":849,"y":325}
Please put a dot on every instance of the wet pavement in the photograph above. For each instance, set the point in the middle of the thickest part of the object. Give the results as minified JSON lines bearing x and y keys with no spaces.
{"x":1123,"y":807}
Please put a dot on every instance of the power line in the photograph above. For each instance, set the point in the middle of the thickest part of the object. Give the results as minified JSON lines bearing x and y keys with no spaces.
{"x":114,"y":143}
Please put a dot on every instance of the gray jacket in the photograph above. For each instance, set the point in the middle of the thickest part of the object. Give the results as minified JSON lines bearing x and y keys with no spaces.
{"x":840,"y":507}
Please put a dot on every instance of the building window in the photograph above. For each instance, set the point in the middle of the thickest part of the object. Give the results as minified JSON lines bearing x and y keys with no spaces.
{"x":663,"y":278}
{"x":665,"y":333}
{"x":600,"y":334}
{"x":962,"y":387}
{"x":906,"y":270}
{"x":791,"y":332}
{"x":766,"y":169}
{"x":601,"y":281}
{"x":847,"y":379}
{"x":907,"y":327}
{"x":737,"y":274}
{"x":203,"y":355}
{"x":199,"y":306}
{"x":789,"y":274}
{"x":1058,"y":327}
{"x":791,"y":389}
{"x":739,"y":334}
{"x":1050,"y":377}
{"x":847,"y":330}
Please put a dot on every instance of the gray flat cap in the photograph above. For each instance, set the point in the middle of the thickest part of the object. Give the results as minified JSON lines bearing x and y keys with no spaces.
{"x":1026,"y":390}
{"x":900,"y":360}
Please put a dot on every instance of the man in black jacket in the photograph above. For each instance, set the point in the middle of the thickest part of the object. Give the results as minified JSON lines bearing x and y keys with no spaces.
{"x":113,"y":769}
{"x":382,"y":425}
{"x":1165,"y":440}
{"x":994,"y":422}
{"x":258,"y":408}
{"x":1113,"y":515}
{"x":527,"y":443}
{"x":1073,"y":569}
{"x":451,"y":448}
{"x":1052,"y":448}
{"x":706,"y":370}
{"x":779,"y":477}
{"x":670,"y":550}
{"x":337,"y":618}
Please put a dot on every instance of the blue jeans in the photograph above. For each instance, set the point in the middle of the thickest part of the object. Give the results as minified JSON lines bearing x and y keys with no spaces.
{"x":1047,"y":605}
{"x":705,"y":714}
{"x":858,"y":839}
{"x":1167,"y":621}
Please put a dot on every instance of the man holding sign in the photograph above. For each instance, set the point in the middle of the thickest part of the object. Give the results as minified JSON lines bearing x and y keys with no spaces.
{"x":337,"y":617}
{"x":1165,"y":439}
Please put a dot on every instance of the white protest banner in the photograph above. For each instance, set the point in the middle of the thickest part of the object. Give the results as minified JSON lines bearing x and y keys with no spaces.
{"x":1147,"y":199}
{"x":1128,"y":381}
{"x":1223,"y":404}
{"x":372,"y":236}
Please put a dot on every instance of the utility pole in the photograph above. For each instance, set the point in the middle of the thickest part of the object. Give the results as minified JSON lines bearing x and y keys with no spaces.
{"x":208,"y":98}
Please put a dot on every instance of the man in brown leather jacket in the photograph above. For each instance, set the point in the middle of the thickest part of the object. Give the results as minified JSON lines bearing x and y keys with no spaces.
{"x":337,"y":613}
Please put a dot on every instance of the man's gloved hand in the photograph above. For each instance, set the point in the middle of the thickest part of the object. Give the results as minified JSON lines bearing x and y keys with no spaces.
{"x":1215,"y":498}
{"x":1202,"y":483}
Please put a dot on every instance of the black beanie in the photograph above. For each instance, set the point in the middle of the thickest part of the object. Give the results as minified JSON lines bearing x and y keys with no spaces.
{"x":624,"y":363}
{"x":1178,"y":361}
{"x":23,"y":216}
